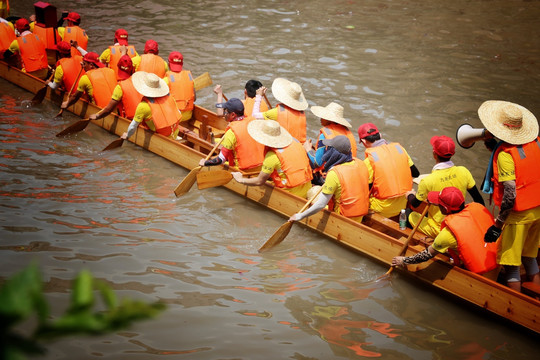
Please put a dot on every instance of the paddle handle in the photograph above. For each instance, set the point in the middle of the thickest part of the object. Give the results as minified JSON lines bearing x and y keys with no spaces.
{"x":310,"y":200}
{"x":71,"y":89}
{"x":267,"y":102}
{"x":214,"y":148}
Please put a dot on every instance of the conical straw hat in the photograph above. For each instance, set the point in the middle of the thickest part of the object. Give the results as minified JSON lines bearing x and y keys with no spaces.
{"x":289,"y":93}
{"x":148,"y":84}
{"x":269,"y":133}
{"x":332,"y":112}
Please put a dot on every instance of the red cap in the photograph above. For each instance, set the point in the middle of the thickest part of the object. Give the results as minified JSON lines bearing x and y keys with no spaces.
{"x":74,"y":17}
{"x":151,"y":47}
{"x":176,"y":61}
{"x":93,"y":58}
{"x":64,"y":47}
{"x":22,"y":24}
{"x":451,"y":198}
{"x":125,"y":67}
{"x":366,"y":130}
{"x":121,"y":36}
{"x":443,"y":146}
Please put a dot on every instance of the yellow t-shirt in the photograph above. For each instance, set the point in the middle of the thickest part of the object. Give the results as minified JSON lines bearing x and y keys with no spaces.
{"x":444,"y":241}
{"x":271,"y":162}
{"x":117,"y":93}
{"x":506,"y":167}
{"x":142,"y":113}
{"x":58,"y":74}
{"x":332,"y":186}
{"x":271,"y":114}
{"x":85,"y":85}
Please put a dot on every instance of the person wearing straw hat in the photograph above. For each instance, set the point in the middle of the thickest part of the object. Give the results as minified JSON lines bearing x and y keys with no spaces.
{"x":462,"y":234}
{"x":150,"y":61}
{"x":334,"y":124}
{"x":346,"y":187}
{"x":97,"y":77}
{"x":516,"y":185}
{"x":157,"y":109}
{"x":67,"y":67}
{"x":445,"y":173}
{"x":391,"y":171}
{"x":285,"y":161}
{"x":181,"y":85}
{"x":290,"y":112}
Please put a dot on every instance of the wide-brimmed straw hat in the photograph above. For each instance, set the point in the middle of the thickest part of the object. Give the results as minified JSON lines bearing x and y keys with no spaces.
{"x":149,"y":84}
{"x":332,"y":112}
{"x":289,"y":93}
{"x":269,"y":133}
{"x":509,"y":122}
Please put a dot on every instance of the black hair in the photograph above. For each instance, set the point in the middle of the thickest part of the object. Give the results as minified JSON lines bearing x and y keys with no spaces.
{"x":373,"y":138}
{"x":442,"y":159}
{"x":252,"y":86}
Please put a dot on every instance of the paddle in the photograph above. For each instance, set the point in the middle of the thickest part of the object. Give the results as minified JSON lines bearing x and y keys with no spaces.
{"x":267,"y":102}
{"x":190,"y":178}
{"x":76,"y":127}
{"x":69,"y":93}
{"x":283,"y":231}
{"x":40,"y":94}
{"x":115,"y":144}
{"x":209,"y":179}
{"x":202,"y":81}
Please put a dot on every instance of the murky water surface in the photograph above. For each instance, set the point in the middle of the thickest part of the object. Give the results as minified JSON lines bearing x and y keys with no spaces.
{"x":414,"y":68}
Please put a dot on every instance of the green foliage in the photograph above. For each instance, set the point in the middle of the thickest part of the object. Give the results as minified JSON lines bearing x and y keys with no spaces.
{"x":22,"y":297}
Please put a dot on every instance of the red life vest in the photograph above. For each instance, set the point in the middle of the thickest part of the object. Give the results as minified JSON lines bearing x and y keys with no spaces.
{"x":33,"y":53}
{"x":294,"y":121}
{"x":391,"y":172}
{"x":165,"y":114}
{"x":70,"y":68}
{"x":294,"y":164}
{"x":46,"y":35}
{"x":469,"y":227}
{"x":103,"y":83}
{"x":182,"y":89}
{"x":116,"y":55}
{"x":7,"y":35}
{"x":248,"y":152}
{"x":526,"y":159}
{"x":75,"y":33}
{"x":332,"y":130}
{"x":248,"y":106}
{"x":354,"y":181}
{"x":130,"y":98}
{"x":153,"y":64}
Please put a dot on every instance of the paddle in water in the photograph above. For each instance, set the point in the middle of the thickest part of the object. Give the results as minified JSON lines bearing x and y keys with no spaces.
{"x":40,"y":94}
{"x":115,"y":144}
{"x":75,"y":127}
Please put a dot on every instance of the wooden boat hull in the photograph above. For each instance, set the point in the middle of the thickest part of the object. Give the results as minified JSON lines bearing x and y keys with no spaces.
{"x":381,"y":240}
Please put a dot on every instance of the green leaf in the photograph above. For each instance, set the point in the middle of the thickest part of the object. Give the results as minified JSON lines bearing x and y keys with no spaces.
{"x":108,"y":295}
{"x":82,"y":296}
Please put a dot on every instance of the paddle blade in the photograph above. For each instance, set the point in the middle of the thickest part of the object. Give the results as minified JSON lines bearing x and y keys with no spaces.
{"x":278,"y":236}
{"x":113,"y":145}
{"x":73,"y":128}
{"x":40,"y":95}
{"x":59,"y":113}
{"x":202,"y":81}
{"x":187,"y":182}
{"x":208,"y":179}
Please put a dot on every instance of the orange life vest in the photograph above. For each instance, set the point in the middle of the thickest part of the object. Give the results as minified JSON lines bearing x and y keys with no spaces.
{"x":70,"y":68}
{"x":391,"y":172}
{"x":294,"y":164}
{"x":103,"y":83}
{"x":182,"y":89}
{"x":248,"y":152}
{"x":153,"y":64}
{"x":46,"y":35}
{"x":248,"y":106}
{"x":7,"y":35}
{"x":33,"y":53}
{"x":130,"y":98}
{"x":469,"y":227}
{"x":354,"y":199}
{"x":165,"y":114}
{"x":294,"y":121}
{"x":332,"y":130}
{"x":75,"y":33}
{"x":116,"y":55}
{"x":526,"y":159}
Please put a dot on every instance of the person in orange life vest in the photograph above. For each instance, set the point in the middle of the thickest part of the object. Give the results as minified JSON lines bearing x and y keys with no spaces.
{"x":289,"y":112}
{"x":334,"y":124}
{"x":250,"y":91}
{"x":515,"y":175}
{"x":67,"y":68}
{"x":124,"y":97}
{"x":391,"y":171}
{"x":462,"y":230}
{"x":238,"y":147}
{"x":444,"y":174}
{"x":97,"y":77}
{"x":285,"y":161}
{"x":181,"y":85}
{"x":31,"y":50}
{"x":157,"y":109}
{"x":150,"y":61}
{"x":113,"y":53}
{"x":7,"y":35}
{"x":346,"y":188}
{"x":73,"y":32}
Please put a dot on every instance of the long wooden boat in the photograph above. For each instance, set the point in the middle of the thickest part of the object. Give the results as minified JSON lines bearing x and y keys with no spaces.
{"x":377,"y":237}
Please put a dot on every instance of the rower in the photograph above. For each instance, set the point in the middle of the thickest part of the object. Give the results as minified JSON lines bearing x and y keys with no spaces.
{"x":113,"y":53}
{"x":150,"y":61}
{"x":181,"y":85}
{"x":444,"y":174}
{"x":250,"y":91}
{"x":67,"y":68}
{"x":285,"y":161}
{"x":391,"y":170}
{"x":463,"y":228}
{"x":31,"y":50}
{"x":7,"y":35}
{"x":239,"y":148}
{"x":73,"y":32}
{"x":290,"y":112}
{"x":346,"y":187}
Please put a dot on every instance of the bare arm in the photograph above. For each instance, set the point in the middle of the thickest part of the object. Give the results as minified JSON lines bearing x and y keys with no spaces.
{"x":254,"y":181}
{"x":105,"y":111}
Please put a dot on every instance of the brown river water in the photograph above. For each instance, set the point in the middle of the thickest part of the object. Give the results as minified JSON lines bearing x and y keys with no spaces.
{"x":414,"y":68}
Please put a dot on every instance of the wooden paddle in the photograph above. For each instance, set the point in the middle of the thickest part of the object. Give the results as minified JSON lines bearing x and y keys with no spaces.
{"x":115,"y":144}
{"x":190,"y":178}
{"x":75,"y":127}
{"x":40,"y":94}
{"x":267,"y":102}
{"x":202,"y":81}
{"x":283,"y":231}
{"x":209,"y":179}
{"x":70,"y":90}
